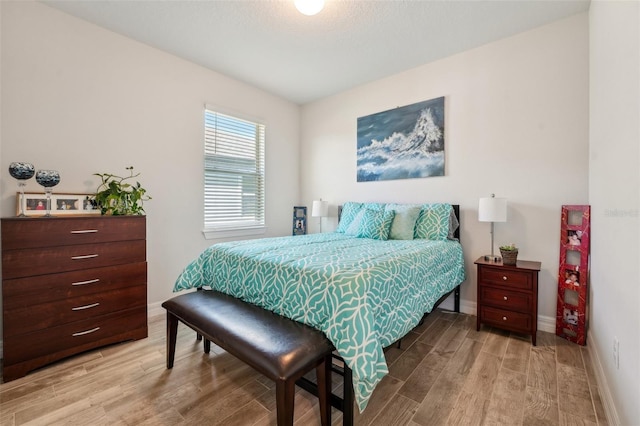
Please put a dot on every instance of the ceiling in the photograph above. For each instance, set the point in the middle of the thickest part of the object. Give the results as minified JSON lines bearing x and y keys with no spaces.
{"x":270,"y":45}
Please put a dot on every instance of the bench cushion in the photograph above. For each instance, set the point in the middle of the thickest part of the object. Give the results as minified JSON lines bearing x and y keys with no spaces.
{"x":276,"y":346}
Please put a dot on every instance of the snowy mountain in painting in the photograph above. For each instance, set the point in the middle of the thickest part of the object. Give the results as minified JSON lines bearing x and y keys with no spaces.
{"x":419,"y":153}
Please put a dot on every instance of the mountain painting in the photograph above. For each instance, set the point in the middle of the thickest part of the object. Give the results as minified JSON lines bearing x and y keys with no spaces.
{"x":403,"y":143}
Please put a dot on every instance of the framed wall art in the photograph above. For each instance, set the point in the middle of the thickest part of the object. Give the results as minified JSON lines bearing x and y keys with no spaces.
{"x":403,"y":143}
{"x":61,"y":204}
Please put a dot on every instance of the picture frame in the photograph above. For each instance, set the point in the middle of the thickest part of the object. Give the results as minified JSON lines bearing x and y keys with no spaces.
{"x":406,"y":142}
{"x":299,"y":220}
{"x":62,"y":204}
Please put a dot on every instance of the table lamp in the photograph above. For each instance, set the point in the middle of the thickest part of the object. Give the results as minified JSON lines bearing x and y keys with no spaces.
{"x":492,"y":209}
{"x":320,"y":209}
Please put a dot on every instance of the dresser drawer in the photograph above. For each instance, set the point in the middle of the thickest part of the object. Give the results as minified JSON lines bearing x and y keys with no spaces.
{"x":20,"y":233}
{"x":38,"y":317}
{"x":508,"y":320}
{"x":25,"y":292}
{"x":54,"y":343}
{"x":505,"y":277}
{"x":511,"y":300}
{"x":51,"y":260}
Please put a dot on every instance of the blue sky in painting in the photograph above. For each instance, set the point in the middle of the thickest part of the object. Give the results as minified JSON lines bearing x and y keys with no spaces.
{"x":406,"y":142}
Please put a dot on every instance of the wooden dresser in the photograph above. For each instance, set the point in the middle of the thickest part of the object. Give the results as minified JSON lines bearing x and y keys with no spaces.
{"x":508,"y":296}
{"x":70,"y":284}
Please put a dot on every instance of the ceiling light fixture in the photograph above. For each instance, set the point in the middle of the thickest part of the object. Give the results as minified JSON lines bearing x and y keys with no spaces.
{"x":309,"y":7}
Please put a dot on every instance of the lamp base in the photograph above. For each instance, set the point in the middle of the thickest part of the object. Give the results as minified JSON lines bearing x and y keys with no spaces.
{"x":492,"y":258}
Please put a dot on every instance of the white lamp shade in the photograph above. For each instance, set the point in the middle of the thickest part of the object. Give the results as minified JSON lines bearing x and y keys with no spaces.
{"x":492,"y":209}
{"x":320,"y":208}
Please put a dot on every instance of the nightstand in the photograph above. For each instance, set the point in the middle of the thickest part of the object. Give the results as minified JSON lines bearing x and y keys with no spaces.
{"x":508,"y":296}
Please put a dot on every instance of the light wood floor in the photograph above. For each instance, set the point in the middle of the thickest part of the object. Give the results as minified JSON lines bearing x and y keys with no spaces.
{"x":446,"y":373}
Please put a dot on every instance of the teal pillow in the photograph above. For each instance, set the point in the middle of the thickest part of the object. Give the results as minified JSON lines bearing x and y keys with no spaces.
{"x":349,"y":212}
{"x":433,"y":222}
{"x":375,"y":224}
{"x":353,"y":227}
{"x":404,"y":222}
{"x":374,"y":206}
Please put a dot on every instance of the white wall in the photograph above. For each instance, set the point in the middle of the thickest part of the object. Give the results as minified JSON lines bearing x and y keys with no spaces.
{"x":516,"y":125}
{"x":614,"y":194}
{"x":82,"y":100}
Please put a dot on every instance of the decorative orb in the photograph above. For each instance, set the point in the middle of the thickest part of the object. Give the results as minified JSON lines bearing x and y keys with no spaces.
{"x":48,"y":178}
{"x":21,"y":171}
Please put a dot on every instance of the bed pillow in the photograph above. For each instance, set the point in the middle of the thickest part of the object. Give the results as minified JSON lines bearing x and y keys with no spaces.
{"x":349,"y":212}
{"x":375,"y":224}
{"x":404,"y":221}
{"x":453,"y":225}
{"x":374,"y":206}
{"x":354,"y":226}
{"x":433,"y":222}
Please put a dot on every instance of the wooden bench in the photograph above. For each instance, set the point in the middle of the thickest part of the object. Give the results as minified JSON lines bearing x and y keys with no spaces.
{"x":278,"y":347}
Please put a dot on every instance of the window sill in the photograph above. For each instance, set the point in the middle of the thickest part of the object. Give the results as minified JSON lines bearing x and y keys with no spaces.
{"x":213,"y":234}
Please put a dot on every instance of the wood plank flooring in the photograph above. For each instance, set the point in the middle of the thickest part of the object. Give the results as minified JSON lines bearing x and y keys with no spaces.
{"x":445,"y":373}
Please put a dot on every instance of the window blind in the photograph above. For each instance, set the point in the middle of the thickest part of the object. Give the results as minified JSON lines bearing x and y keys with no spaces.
{"x":233,"y":172}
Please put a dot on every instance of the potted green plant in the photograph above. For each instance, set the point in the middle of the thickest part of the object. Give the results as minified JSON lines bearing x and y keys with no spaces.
{"x":509,"y":254}
{"x":118,"y":197}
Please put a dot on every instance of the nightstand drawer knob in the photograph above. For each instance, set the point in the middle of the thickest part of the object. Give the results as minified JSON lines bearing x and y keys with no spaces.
{"x":505,"y":297}
{"x":504,"y":278}
{"x":504,"y":318}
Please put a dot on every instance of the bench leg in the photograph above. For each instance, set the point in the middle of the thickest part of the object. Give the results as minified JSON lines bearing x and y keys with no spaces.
{"x":207,"y":346}
{"x":172,"y":333}
{"x":323,"y":375}
{"x":285,"y":395}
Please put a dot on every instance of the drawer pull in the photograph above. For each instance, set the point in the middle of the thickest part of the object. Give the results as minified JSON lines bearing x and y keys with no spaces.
{"x":504,"y":318}
{"x":82,"y":333}
{"x":84,"y":231}
{"x":504,"y":278}
{"x":85,"y":256}
{"x":86,"y":282}
{"x":80,"y":308}
{"x":505,"y":297}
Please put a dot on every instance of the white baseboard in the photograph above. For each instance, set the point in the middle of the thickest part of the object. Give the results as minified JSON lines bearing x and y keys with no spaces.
{"x":155,"y":309}
{"x":603,"y":386}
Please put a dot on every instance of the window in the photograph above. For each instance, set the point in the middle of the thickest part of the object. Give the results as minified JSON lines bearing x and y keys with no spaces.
{"x":233,"y":175}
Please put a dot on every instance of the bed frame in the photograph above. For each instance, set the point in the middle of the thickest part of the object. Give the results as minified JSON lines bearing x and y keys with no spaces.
{"x":345,"y":404}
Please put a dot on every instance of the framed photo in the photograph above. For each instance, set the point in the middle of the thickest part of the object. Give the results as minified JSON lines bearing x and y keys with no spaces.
{"x":299,"y":220}
{"x":35,"y":204}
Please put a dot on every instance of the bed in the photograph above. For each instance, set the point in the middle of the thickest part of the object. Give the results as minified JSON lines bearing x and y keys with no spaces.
{"x":362,"y":286}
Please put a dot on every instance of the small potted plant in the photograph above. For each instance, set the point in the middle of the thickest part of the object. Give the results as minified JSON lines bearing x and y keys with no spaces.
{"x":117,"y":197}
{"x":509,"y":254}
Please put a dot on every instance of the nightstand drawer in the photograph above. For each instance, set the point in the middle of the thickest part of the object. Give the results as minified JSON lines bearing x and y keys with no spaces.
{"x":511,"y":300}
{"x":509,"y":320}
{"x":505,"y":277}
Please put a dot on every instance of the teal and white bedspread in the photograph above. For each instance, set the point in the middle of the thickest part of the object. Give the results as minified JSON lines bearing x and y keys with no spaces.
{"x":364,"y":294}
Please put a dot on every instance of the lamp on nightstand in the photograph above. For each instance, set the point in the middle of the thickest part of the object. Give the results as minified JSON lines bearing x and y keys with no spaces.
{"x":320,"y":209}
{"x":492,"y":209}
